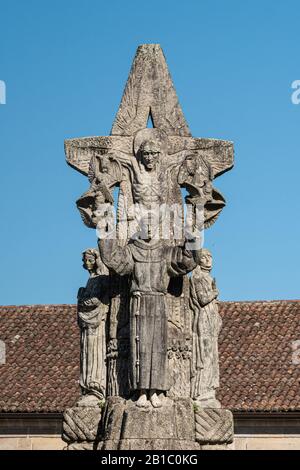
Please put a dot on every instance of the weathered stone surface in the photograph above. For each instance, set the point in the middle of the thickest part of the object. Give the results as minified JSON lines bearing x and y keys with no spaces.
{"x":185,"y":426}
{"x":92,"y":315}
{"x":81,"y":424}
{"x":213,"y":426}
{"x":31,"y":443}
{"x":216,"y":447}
{"x":133,"y":427}
{"x":113,"y":418}
{"x":82,"y":446}
{"x":157,"y":444}
{"x":206,"y":327}
{"x":152,"y":339}
{"x":149,"y":91}
{"x":15,"y":443}
{"x":174,"y":421}
{"x":267,"y":442}
{"x":47,"y":443}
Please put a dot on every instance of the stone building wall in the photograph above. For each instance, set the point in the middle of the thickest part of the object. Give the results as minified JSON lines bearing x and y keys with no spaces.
{"x":34,"y":442}
{"x":242,"y":442}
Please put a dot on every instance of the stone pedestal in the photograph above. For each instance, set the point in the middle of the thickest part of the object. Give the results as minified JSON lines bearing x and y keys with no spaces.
{"x":122,"y":425}
{"x":127,"y":426}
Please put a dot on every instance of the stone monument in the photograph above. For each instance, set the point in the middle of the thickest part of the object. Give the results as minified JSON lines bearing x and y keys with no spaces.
{"x":149,"y":313}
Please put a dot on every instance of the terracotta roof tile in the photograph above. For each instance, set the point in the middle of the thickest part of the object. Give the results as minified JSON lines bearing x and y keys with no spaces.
{"x":42,"y":358}
{"x":256,"y":357}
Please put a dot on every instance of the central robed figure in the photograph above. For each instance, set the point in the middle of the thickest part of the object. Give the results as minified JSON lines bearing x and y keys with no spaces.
{"x":151,"y":263}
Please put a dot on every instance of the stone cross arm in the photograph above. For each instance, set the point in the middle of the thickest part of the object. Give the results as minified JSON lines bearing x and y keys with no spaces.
{"x":149,"y":94}
{"x":218,"y":153}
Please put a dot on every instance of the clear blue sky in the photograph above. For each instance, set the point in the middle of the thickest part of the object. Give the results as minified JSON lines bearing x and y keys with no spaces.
{"x":65,"y":64}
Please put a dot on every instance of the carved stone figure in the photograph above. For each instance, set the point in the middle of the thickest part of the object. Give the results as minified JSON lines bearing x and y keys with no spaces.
{"x":151,"y":264}
{"x":146,"y":178}
{"x":206,"y":327}
{"x":147,"y":186}
{"x":92,"y":315}
{"x":196,"y":176}
{"x":148,"y":331}
{"x":103,"y":174}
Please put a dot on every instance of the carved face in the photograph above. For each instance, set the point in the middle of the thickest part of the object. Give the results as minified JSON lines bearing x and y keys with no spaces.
{"x":149,"y":227}
{"x":89,"y":261}
{"x":206,"y":260}
{"x":190,"y":164}
{"x":150,"y":155}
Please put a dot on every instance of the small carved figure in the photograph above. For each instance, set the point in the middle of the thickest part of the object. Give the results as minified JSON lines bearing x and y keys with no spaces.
{"x":92,"y":311}
{"x":196,"y":176}
{"x":104,"y":173}
{"x":206,"y":327}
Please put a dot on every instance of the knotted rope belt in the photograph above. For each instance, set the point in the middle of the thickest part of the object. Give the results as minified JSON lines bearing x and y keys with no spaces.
{"x":137,"y":295}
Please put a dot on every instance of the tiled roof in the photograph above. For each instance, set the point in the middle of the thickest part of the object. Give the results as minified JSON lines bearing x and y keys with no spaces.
{"x":42,"y":358}
{"x":258,"y":366}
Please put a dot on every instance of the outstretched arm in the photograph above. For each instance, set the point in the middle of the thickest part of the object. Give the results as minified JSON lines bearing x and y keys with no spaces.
{"x":115,"y":257}
{"x":182,"y":260}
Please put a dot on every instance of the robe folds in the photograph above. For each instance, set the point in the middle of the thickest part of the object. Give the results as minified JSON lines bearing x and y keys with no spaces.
{"x":91,"y":319}
{"x":150,"y":264}
{"x":206,"y":328}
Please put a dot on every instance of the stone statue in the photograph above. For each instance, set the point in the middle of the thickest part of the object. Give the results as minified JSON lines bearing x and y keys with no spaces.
{"x":103,"y":174}
{"x":206,"y":327}
{"x":151,"y":264}
{"x":147,"y":188}
{"x":149,"y":331}
{"x":92,"y":316}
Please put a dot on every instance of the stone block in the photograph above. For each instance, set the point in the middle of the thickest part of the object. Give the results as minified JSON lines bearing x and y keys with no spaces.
{"x":158,"y":444}
{"x":15,"y":443}
{"x":113,"y":418}
{"x":214,"y":426}
{"x":149,"y":444}
{"x":273,"y":443}
{"x":47,"y":443}
{"x":82,"y":446}
{"x":81,"y":424}
{"x":126,"y":426}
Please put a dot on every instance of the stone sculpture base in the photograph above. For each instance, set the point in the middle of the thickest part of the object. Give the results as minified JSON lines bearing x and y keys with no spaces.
{"x":178,"y":425}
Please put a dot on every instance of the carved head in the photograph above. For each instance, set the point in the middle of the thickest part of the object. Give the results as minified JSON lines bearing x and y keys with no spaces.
{"x":89,"y":259}
{"x":149,"y":146}
{"x":191,"y":164}
{"x":205,"y":260}
{"x":150,"y":153}
{"x":149,"y":226}
{"x":187,"y":169}
{"x":92,"y":262}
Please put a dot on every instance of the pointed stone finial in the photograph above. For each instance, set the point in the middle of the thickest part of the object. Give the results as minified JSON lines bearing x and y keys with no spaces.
{"x":150,"y":92}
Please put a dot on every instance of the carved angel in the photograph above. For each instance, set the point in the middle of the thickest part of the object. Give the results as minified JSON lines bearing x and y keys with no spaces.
{"x":196,"y":175}
{"x":104,"y":174}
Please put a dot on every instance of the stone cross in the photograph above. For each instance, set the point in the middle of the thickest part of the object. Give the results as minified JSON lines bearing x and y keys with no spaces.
{"x":149,"y":332}
{"x":149,"y":93}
